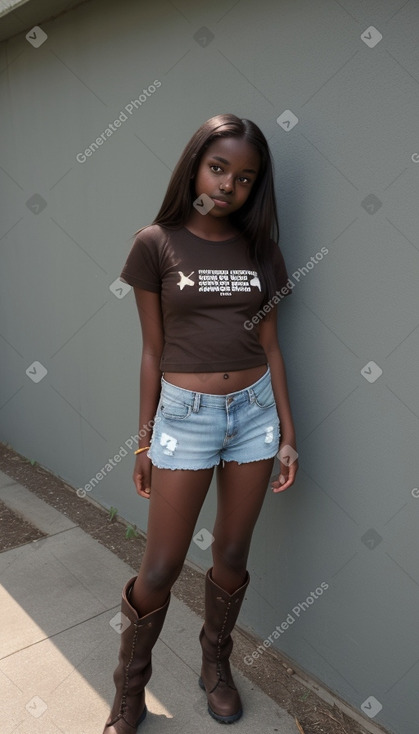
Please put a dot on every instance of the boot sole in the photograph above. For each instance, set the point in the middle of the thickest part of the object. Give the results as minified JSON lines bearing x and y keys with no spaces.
{"x":221,"y":719}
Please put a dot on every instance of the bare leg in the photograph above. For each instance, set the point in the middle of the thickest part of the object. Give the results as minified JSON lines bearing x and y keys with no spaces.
{"x":175,"y":502}
{"x":241,"y":492}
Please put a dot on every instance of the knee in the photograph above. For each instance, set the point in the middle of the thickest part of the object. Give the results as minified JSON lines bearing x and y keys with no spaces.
{"x":232,"y":555}
{"x":161,"y":575}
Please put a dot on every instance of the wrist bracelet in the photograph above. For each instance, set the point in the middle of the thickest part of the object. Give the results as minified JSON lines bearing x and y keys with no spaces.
{"x":138,"y":451}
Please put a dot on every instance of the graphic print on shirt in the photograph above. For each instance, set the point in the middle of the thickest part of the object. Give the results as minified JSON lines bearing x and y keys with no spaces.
{"x":223,"y":282}
{"x":185,"y":280}
{"x":227,"y":282}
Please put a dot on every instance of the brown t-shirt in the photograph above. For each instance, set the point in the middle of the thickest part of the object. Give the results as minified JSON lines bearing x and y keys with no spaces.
{"x":209,"y":293}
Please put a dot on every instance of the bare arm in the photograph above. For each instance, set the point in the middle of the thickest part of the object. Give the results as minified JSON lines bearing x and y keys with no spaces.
{"x":268,"y":338}
{"x":149,"y":311}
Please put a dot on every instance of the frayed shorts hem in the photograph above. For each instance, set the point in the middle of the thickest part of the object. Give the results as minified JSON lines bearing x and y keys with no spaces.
{"x":212,"y":466}
{"x":184,"y":468}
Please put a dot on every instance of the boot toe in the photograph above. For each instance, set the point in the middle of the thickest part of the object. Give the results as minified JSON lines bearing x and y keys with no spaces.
{"x":224,"y":711}
{"x":224,"y":702}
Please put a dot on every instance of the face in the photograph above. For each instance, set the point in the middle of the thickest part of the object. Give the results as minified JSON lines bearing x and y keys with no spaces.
{"x":227,"y":173}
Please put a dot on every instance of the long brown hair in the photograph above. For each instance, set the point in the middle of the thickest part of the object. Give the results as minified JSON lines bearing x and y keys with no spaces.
{"x":257,"y":219}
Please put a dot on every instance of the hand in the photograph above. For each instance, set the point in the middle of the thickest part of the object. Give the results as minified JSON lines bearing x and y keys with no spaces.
{"x":142,"y":475}
{"x":288,"y":466}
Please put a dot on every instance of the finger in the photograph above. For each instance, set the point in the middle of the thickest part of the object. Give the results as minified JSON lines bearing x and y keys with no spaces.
{"x":144,"y":493}
{"x":292,"y":471}
{"x":139,"y":483}
{"x":276,"y":485}
{"x":286,"y":478}
{"x":142,"y":490}
{"x":282,"y":488}
{"x":142,"y":481}
{"x":287,"y":469}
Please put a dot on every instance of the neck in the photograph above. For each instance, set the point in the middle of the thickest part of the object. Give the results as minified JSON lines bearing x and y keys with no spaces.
{"x":210,"y":228}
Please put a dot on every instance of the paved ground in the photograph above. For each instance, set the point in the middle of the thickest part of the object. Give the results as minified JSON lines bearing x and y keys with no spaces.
{"x":58,"y":649}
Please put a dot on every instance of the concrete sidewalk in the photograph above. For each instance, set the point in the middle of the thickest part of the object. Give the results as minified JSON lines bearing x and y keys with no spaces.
{"x":58,"y":648}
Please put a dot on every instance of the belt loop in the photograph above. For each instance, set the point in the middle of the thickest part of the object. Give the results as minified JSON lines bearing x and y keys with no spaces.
{"x":251,"y":394}
{"x":196,"y":402}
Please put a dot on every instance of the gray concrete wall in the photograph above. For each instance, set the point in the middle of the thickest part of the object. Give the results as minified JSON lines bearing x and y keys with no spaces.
{"x":335,"y":581}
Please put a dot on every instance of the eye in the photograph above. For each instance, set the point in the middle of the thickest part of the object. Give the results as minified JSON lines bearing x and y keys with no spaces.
{"x":214,"y":165}
{"x":244,"y":179}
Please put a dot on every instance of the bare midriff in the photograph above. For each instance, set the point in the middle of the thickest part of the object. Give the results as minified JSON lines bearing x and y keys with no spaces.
{"x":216,"y":383}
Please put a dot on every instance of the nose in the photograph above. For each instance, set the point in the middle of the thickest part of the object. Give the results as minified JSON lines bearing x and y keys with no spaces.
{"x":226,"y":186}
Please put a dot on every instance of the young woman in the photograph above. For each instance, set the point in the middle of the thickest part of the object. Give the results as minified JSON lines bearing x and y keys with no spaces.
{"x":213,"y":393}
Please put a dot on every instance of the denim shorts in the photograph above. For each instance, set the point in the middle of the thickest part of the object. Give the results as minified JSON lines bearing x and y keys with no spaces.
{"x":195,"y":430}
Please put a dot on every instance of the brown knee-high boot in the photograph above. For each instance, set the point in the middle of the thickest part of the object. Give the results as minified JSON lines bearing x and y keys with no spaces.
{"x":221,"y":612}
{"x":134,"y":666}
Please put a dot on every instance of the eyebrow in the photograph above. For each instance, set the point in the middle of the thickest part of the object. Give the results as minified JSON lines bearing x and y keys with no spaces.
{"x":223,"y":160}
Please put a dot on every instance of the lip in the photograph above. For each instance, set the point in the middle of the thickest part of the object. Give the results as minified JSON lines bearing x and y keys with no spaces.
{"x":220,"y":202}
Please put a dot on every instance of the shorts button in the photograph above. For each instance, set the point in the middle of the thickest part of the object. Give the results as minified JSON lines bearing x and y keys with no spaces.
{"x":229,"y":401}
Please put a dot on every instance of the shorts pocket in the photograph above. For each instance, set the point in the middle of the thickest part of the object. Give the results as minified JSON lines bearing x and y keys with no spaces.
{"x":264,"y":397}
{"x":174,"y":409}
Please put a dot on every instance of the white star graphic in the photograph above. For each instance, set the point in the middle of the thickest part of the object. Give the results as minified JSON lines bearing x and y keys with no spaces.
{"x":185,"y":280}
